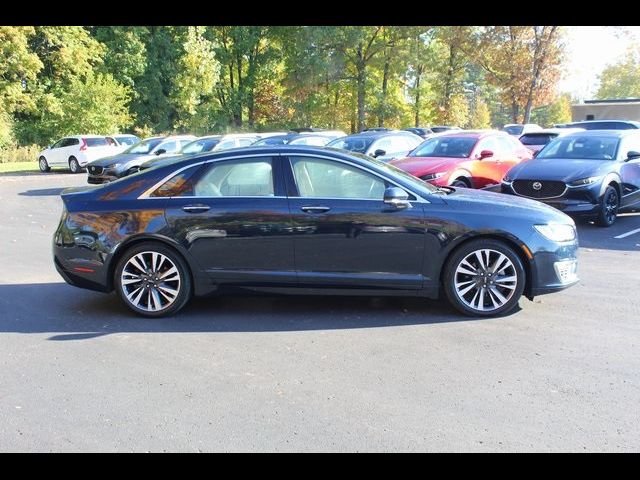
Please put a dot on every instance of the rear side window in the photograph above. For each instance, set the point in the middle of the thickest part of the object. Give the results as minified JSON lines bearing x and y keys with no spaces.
{"x":247,"y":177}
{"x":96,"y":142}
{"x":70,"y":142}
{"x":180,"y":185}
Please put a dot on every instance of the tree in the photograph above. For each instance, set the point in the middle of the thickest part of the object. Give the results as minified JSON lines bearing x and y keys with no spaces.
{"x":621,"y":79}
{"x":523,"y":62}
{"x":480,"y":116}
{"x":197,"y":74}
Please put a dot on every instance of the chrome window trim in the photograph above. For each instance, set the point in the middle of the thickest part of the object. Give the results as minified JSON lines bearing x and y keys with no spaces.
{"x":419,"y":199}
{"x":147,"y":193}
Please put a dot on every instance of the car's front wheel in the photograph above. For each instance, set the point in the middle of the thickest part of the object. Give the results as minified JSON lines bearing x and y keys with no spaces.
{"x":44,"y":165}
{"x":484,"y":277}
{"x":74,"y":165}
{"x":153,"y":280}
{"x":608,"y":207}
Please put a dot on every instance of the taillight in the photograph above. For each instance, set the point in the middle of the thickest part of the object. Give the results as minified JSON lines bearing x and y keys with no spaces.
{"x":84,"y":145}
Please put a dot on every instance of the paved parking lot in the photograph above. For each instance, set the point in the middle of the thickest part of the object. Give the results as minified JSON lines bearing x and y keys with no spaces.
{"x":78,"y":372}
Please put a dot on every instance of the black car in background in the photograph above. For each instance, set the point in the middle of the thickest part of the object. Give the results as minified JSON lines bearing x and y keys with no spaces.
{"x":604,"y":125}
{"x":307,"y":220}
{"x":594,"y":173}
{"x":379,"y":143}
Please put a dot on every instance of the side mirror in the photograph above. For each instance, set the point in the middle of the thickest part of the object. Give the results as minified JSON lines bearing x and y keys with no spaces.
{"x":535,"y":154}
{"x":485,"y":154}
{"x":632,"y":155}
{"x":379,"y":153}
{"x":396,"y":197}
{"x":160,"y":151}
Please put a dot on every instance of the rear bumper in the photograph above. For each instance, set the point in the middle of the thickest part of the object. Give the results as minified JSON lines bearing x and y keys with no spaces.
{"x":78,"y":279}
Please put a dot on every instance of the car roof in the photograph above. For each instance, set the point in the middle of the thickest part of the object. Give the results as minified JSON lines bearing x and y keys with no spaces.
{"x":605,"y":133}
{"x":378,"y":134}
{"x":475,"y":133}
{"x":587,"y":122}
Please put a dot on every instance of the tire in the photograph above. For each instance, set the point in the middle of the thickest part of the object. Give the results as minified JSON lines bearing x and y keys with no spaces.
{"x":74,"y":165}
{"x":161,"y":298}
{"x":460,"y":183}
{"x":488,"y":293}
{"x":132,"y":170}
{"x":609,"y":206}
{"x":44,"y":165}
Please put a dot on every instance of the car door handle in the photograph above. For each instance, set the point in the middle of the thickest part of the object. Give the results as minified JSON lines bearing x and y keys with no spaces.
{"x":196,"y":208}
{"x":315,"y":209}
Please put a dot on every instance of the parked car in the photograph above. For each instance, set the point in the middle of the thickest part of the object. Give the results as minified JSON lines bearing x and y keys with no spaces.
{"x":122,"y":141}
{"x":235,"y":140}
{"x":378,"y":144}
{"x":471,"y":159}
{"x":199,"y":145}
{"x":535,"y":141}
{"x":443,"y":128}
{"x":604,"y":125}
{"x":74,"y":152}
{"x":318,"y":220}
{"x":422,"y":132}
{"x":117,"y":166}
{"x":594,"y":174}
{"x":518,"y":129}
{"x":315,"y":138}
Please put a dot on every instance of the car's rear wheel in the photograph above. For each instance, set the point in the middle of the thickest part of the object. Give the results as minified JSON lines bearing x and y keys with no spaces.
{"x":460,"y":183}
{"x":609,"y":206}
{"x":74,"y":165}
{"x":485,"y":277}
{"x":153,"y":280}
{"x":44,"y":166}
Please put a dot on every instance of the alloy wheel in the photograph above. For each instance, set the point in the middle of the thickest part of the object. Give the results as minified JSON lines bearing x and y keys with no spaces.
{"x":150,"y":281}
{"x":611,"y":206}
{"x":485,"y":280}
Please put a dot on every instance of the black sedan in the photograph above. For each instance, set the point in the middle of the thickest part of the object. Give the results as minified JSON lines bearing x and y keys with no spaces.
{"x":593,"y":174}
{"x":307,"y":220}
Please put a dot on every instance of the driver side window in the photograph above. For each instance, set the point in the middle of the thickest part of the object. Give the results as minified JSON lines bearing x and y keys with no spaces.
{"x":320,"y":178}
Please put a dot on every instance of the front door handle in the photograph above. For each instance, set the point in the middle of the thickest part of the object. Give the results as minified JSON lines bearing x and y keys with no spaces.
{"x":196,"y":208}
{"x":315,"y":209}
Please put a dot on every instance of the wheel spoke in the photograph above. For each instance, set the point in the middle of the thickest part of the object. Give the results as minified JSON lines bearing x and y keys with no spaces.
{"x":129,"y":281}
{"x":136,"y":301}
{"x":136,"y":263}
{"x":157,"y":304}
{"x":500,"y":264}
{"x":498,"y":295}
{"x":171,"y":271}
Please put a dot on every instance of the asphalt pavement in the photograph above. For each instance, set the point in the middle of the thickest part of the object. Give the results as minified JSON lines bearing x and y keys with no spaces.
{"x":79,"y":372}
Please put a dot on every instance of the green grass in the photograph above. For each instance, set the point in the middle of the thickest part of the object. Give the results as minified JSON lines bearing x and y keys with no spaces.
{"x":12,"y":167}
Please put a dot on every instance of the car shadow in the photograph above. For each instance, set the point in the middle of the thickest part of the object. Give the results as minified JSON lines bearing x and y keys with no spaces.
{"x":43,"y":192}
{"x":69,"y":313}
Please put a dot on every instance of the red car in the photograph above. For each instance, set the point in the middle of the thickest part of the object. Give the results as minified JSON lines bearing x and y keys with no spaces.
{"x":472,"y":159}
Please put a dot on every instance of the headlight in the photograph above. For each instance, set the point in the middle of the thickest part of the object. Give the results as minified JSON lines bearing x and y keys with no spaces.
{"x":115,"y":166}
{"x":584,"y":181}
{"x":433,"y":176}
{"x":557,"y":232}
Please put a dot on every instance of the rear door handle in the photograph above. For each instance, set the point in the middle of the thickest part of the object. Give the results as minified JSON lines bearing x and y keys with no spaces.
{"x":315,"y":209}
{"x":196,"y":208}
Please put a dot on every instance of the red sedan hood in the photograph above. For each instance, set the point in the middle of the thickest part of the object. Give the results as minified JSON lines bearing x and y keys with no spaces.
{"x":419,"y":166}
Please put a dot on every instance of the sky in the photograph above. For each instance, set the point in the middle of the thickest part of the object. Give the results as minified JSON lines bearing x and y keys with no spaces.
{"x":589,"y":50}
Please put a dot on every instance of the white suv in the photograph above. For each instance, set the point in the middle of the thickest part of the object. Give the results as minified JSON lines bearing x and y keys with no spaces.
{"x":75,"y":152}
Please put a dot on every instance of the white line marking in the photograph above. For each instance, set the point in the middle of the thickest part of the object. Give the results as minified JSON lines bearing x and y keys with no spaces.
{"x":637,"y":230}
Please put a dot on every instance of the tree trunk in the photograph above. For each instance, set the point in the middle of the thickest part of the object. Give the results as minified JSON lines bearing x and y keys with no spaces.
{"x":385,"y":80}
{"x":361,"y":83}
{"x":417,"y":106}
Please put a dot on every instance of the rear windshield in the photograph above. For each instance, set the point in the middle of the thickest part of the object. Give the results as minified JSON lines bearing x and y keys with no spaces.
{"x":96,"y":142}
{"x":513,"y":129}
{"x":537,"y":138}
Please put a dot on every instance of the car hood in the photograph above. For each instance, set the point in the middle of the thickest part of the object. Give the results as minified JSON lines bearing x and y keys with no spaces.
{"x":423,"y":165}
{"x":122,"y":158}
{"x":504,"y":205}
{"x":562,"y":169}
{"x":161,"y":161}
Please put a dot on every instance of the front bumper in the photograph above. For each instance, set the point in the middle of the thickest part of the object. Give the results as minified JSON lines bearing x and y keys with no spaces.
{"x":575,"y":201}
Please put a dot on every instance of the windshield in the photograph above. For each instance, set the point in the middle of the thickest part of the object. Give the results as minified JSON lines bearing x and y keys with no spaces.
{"x":198,"y":146}
{"x":582,"y":147}
{"x":353,"y":144}
{"x":513,"y":129}
{"x":143,"y":147}
{"x":273,"y":141}
{"x":455,"y":147}
{"x":127,"y":140}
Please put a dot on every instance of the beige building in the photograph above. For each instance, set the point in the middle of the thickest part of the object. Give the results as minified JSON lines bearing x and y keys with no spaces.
{"x":622,"y":109}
